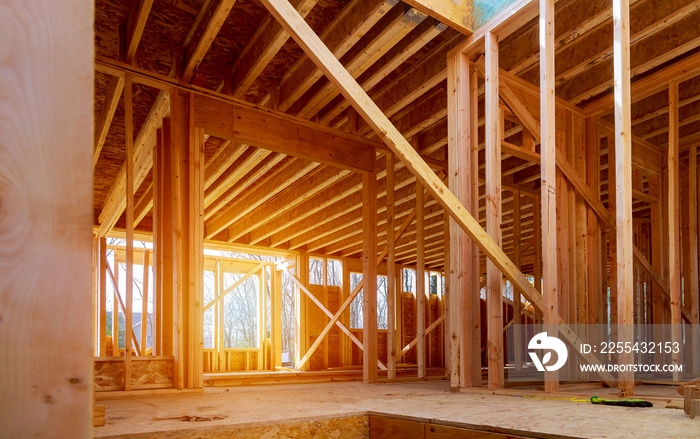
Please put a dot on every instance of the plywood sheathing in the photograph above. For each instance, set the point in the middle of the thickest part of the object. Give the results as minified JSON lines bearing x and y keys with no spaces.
{"x":431,"y":400}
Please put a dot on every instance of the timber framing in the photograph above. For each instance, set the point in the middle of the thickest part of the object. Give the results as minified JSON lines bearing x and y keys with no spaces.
{"x":384,"y":190}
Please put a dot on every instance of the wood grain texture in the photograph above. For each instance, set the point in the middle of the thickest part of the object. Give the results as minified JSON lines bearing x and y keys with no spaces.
{"x":45,"y":217}
{"x":548,"y":198}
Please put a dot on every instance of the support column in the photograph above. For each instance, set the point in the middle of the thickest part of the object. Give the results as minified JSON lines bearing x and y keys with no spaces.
{"x":345,"y":342}
{"x":674,"y":260}
{"x":518,"y":335}
{"x":164,"y":237}
{"x":103,"y":298}
{"x":300,"y":338}
{"x":390,"y":270}
{"x":623,"y":185}
{"x":276,"y":316}
{"x":369,"y":278}
{"x":693,"y":259}
{"x":548,"y":178}
{"x":494,"y":279}
{"x":459,"y":313}
{"x":472,"y":291}
{"x":129,"y":213}
{"x":187,"y":203}
{"x":420,"y":281}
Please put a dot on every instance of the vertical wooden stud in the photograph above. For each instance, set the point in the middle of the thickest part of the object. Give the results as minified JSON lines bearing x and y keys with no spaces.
{"x":144,"y":301}
{"x":694,"y":289}
{"x":369,"y":277}
{"x":129,"y":134}
{"x":674,"y":261}
{"x":420,"y":281}
{"x":517,"y":311}
{"x":459,"y":145}
{"x":103,"y":297}
{"x":390,"y":270}
{"x":548,"y":177}
{"x":493,"y":214}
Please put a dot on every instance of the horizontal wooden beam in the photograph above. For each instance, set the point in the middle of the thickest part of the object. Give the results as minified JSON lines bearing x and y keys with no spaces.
{"x":457,"y":14}
{"x":283,"y":133}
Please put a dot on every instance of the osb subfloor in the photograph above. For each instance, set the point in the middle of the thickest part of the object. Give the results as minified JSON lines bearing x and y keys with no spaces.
{"x":265,"y":405}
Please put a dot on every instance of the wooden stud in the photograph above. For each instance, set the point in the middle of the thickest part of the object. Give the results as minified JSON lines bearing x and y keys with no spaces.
{"x":144,"y":300}
{"x":390,"y":270}
{"x":693,"y":259}
{"x":459,"y":124}
{"x":276,"y":323}
{"x":420,"y":281}
{"x":674,"y":245}
{"x":494,"y":282}
{"x":129,"y":135}
{"x":262,"y":306}
{"x":471,"y":294}
{"x":300,"y":337}
{"x":517,"y":311}
{"x":103,"y":298}
{"x":369,"y":278}
{"x":623,"y":183}
{"x":550,"y":291}
{"x":345,"y":344}
{"x":220,"y":313}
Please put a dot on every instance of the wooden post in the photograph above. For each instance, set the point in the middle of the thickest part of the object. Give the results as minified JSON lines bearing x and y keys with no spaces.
{"x":166,"y":236}
{"x":369,"y":278}
{"x":188,"y":208}
{"x":390,"y":270}
{"x":674,"y":261}
{"x":451,"y":362}
{"x":494,"y":279}
{"x":623,"y":183}
{"x":276,"y":323}
{"x":518,"y":335}
{"x":158,"y":172}
{"x":103,"y":297}
{"x":129,"y":135}
{"x":459,"y":144}
{"x":261,"y":318}
{"x":694,"y":289}
{"x":548,"y":178}
{"x":115,"y":310}
{"x":471,"y":294}
{"x":595,"y":284}
{"x":144,"y":302}
{"x":420,"y":281}
{"x":611,"y":237}
{"x":46,"y":152}
{"x":220,"y":347}
{"x":300,"y":343}
{"x":345,"y":343}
